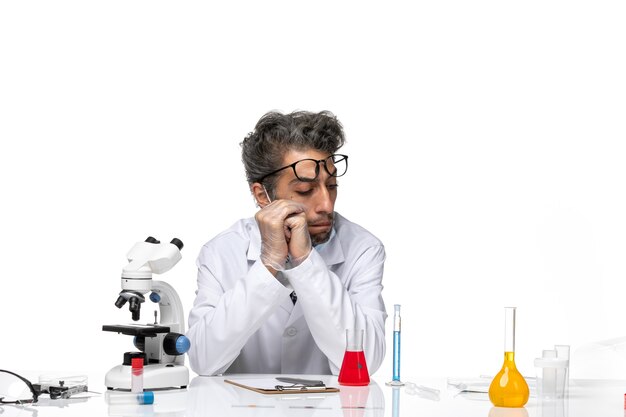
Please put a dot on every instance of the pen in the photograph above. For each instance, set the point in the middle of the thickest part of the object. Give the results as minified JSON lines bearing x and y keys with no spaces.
{"x":305,"y":382}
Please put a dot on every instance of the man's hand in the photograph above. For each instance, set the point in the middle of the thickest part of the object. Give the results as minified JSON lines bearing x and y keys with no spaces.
{"x":284,"y":232}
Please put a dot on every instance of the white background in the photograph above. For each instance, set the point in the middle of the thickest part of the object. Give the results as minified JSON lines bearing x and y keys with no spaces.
{"x":486,"y":143}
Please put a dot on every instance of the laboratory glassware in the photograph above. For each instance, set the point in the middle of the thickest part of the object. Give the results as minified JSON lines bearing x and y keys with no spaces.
{"x":136,"y":383}
{"x":562,"y":352}
{"x":354,"y":368}
{"x":509,"y":388}
{"x":395,"y":381}
{"x":551,"y":375}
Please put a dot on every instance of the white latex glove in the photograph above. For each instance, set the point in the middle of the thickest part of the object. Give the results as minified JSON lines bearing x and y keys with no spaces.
{"x":284,"y":233}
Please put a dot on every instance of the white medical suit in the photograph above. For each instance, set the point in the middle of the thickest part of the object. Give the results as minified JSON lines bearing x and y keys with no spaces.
{"x":244,"y":321}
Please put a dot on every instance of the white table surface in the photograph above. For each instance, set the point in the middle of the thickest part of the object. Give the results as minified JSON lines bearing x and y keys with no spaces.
{"x":211,"y":396}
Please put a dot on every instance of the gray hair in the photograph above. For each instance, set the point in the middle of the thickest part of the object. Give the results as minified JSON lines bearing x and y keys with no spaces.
{"x":263,"y":149}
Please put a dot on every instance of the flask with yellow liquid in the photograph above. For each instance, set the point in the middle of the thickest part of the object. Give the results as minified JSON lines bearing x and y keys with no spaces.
{"x":509,"y":388}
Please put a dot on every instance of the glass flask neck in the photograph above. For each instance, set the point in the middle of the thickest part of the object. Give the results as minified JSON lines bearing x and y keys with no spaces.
{"x":509,"y":329}
{"x":354,"y":340}
{"x":509,"y":359}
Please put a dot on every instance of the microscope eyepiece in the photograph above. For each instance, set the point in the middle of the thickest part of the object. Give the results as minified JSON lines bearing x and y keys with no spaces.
{"x":178,"y":243}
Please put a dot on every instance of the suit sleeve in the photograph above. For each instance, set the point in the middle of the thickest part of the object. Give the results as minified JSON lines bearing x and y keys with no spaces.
{"x":330,"y":307}
{"x":223,"y":319}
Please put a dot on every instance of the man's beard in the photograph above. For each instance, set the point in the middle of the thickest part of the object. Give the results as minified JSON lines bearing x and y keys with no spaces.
{"x":323,"y":237}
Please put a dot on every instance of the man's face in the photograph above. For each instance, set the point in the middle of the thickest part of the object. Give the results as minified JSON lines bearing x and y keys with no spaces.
{"x":317,"y":196}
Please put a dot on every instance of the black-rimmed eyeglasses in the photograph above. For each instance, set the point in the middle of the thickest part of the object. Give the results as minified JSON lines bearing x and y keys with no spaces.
{"x":15,"y":389}
{"x":307,"y":170}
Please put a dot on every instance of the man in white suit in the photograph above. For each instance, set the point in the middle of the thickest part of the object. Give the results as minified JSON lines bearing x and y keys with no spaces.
{"x":277,"y":292}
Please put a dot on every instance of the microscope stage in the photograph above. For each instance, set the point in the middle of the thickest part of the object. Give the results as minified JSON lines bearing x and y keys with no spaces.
{"x":147,"y":330}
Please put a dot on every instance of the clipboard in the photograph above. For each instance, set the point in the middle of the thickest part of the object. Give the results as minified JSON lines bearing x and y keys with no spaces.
{"x":269,"y":386}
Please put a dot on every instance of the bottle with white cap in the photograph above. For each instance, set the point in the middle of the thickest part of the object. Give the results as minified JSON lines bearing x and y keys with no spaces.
{"x":551,"y":375}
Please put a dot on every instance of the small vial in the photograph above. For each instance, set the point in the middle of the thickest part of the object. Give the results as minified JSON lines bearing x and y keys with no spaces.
{"x":136,"y":378}
{"x":124,"y":398}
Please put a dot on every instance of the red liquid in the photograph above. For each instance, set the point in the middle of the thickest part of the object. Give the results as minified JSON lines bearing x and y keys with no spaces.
{"x":354,"y":369}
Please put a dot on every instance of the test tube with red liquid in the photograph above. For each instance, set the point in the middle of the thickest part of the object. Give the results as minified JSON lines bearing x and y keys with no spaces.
{"x":136,"y":378}
{"x":354,"y":368}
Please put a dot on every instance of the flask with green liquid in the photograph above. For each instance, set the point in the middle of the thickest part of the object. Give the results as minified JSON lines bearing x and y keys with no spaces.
{"x":509,"y":388}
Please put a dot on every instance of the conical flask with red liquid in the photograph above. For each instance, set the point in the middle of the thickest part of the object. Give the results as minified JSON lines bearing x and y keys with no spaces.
{"x":354,"y":368}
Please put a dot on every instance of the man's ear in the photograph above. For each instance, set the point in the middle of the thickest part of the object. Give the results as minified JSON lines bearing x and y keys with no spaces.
{"x":259,"y":194}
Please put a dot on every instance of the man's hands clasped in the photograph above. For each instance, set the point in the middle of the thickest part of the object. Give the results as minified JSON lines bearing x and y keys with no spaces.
{"x":284,"y":233}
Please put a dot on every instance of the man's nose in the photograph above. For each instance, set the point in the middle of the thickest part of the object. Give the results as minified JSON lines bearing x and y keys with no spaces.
{"x":324,"y":203}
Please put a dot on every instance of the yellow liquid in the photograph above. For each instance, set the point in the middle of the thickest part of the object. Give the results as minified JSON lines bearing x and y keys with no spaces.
{"x":509,"y":388}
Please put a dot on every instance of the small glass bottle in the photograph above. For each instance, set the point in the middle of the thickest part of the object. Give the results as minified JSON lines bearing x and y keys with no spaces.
{"x":509,"y":388}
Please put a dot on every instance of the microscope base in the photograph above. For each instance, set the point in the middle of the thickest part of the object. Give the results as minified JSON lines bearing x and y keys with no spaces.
{"x":155,"y":376}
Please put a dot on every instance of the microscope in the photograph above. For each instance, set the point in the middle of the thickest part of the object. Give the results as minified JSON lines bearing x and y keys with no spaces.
{"x":161,"y":345}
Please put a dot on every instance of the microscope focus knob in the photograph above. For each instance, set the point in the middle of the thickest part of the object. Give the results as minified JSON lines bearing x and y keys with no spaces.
{"x":176,"y":344}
